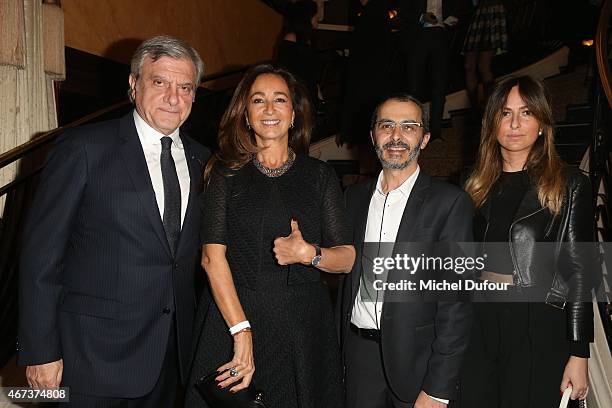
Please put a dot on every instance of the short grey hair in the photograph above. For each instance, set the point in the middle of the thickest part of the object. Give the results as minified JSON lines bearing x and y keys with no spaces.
{"x":402,"y":97}
{"x":165,"y":46}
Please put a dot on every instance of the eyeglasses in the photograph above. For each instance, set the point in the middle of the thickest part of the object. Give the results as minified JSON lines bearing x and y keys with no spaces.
{"x":387,"y":127}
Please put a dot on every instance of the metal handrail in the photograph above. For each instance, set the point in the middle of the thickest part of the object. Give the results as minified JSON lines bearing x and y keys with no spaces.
{"x":20,"y":151}
{"x":601,"y":44}
{"x":600,"y":159}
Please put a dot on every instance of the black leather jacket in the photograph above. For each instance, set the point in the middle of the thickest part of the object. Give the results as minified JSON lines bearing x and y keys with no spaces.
{"x":532,"y":223}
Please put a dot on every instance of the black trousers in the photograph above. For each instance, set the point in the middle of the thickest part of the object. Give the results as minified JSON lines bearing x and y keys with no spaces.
{"x":516,"y":356}
{"x":163,"y":394}
{"x":366,"y":385}
{"x":427,"y":65}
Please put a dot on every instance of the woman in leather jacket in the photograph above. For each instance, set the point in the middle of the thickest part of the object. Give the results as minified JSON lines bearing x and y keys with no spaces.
{"x":522,"y":354}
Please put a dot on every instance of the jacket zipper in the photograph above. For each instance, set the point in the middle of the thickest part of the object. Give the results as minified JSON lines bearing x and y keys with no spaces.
{"x":517,"y":275}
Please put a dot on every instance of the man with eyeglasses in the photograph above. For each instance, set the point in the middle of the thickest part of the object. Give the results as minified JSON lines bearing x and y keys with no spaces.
{"x":400,"y":354}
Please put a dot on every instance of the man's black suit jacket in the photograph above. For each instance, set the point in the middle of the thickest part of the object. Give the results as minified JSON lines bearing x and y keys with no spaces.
{"x":99,"y":286}
{"x":422,"y":343}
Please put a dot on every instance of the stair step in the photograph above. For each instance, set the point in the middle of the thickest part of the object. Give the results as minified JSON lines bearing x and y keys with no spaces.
{"x":572,"y":154}
{"x":573,"y":133}
{"x":582,"y":112}
{"x":459,"y":112}
{"x":344,"y":167}
{"x":565,"y":124}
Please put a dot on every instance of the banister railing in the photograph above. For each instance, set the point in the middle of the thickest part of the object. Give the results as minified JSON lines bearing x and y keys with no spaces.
{"x":601,"y":163}
{"x":601,"y":49}
{"x":18,"y":152}
{"x":24,"y":149}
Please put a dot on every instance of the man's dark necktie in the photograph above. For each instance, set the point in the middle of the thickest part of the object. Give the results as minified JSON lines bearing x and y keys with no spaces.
{"x":172,"y":194}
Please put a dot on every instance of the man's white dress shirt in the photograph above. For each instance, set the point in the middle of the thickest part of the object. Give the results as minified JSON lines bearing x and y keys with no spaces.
{"x":150,"y":139}
{"x":384,"y":217}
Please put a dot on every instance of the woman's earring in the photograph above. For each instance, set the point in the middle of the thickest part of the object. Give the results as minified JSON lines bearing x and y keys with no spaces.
{"x":540,"y":132}
{"x":291,"y":125}
{"x":248,"y":125}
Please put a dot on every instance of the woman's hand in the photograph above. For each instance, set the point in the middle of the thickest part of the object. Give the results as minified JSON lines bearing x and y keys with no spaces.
{"x":576,"y":375}
{"x":293,"y":249}
{"x":243,"y":364}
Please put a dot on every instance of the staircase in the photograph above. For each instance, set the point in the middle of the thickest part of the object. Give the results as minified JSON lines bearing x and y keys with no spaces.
{"x":572,"y":113}
{"x":446,"y":159}
{"x":572,"y":136}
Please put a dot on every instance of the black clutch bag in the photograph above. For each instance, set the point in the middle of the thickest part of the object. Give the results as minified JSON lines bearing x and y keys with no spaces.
{"x":222,"y":398}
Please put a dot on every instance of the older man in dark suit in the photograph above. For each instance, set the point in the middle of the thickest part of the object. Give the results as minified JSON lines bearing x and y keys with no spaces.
{"x":111,"y":245}
{"x":402,"y":354}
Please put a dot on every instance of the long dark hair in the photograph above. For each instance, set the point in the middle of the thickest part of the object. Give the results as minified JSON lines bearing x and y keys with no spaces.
{"x":543,"y":164}
{"x":237,"y":143}
{"x":298,"y":20}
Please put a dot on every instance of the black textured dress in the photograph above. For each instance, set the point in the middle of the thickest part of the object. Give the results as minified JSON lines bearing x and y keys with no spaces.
{"x":297,"y":361}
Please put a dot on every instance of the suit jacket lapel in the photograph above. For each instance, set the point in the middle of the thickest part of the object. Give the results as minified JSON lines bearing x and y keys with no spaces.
{"x":136,"y":164}
{"x":413,"y":209}
{"x":196,"y":169}
{"x":406,"y":230}
{"x":363,"y":208}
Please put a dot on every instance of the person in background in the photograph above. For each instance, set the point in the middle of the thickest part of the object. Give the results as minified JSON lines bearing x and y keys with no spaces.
{"x":424,"y":42}
{"x":523,"y":353}
{"x":486,"y":36}
{"x":274,"y":221}
{"x":367,"y":76}
{"x":106,"y":286}
{"x":295,"y":51}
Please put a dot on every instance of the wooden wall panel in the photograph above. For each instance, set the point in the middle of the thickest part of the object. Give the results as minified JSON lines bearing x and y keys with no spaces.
{"x":27,"y":104}
{"x":226,"y":33}
{"x":11,"y":33}
{"x":53,"y":41}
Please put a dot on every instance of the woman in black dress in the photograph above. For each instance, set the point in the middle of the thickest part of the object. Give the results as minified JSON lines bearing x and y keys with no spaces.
{"x":522,"y":354}
{"x":273,"y":220}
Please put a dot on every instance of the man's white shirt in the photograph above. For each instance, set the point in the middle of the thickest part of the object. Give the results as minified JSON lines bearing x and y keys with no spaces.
{"x":384,"y":217}
{"x":150,"y":139}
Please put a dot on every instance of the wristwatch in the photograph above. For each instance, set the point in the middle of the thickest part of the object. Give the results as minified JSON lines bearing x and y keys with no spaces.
{"x":317,"y":258}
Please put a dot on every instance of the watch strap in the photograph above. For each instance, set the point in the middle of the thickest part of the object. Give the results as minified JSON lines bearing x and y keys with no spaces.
{"x":317,"y":258}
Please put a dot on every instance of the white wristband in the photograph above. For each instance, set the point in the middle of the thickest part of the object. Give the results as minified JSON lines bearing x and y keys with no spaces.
{"x":242,"y":325}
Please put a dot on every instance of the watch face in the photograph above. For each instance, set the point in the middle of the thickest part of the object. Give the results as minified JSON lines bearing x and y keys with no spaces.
{"x":315,"y":261}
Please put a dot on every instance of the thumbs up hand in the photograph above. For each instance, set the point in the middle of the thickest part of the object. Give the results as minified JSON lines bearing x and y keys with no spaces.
{"x":293,"y":249}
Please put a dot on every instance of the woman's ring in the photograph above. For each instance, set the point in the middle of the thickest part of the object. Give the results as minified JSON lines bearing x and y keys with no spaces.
{"x":233,"y":372}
